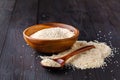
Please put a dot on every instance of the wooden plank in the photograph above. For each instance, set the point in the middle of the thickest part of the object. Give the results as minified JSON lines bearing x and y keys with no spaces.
{"x":114,"y":13}
{"x":89,"y":17}
{"x":6,"y":8}
{"x":101,"y":14}
{"x":19,"y":62}
{"x":71,"y":12}
{"x":53,"y":12}
{"x":17,"y":59}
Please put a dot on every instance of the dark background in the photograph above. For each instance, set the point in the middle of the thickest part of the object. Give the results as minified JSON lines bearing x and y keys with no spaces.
{"x":96,"y":20}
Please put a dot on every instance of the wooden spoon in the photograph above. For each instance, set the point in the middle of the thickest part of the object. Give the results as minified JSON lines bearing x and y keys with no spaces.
{"x":60,"y":62}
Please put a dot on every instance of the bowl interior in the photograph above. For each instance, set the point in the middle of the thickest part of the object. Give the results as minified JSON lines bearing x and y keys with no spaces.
{"x":49,"y":46}
{"x":29,"y":31}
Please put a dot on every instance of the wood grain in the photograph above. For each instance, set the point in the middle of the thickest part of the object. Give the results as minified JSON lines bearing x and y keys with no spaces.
{"x":6,"y":8}
{"x":17,"y":59}
{"x":96,"y":20}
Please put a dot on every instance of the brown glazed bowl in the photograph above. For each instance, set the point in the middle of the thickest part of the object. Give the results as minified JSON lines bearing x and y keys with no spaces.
{"x":50,"y":46}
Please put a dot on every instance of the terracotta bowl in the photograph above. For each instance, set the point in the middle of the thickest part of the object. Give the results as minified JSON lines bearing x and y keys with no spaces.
{"x":50,"y":46}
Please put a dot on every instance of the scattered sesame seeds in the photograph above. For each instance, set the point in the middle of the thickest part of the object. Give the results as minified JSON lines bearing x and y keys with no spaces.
{"x":85,"y":77}
{"x":100,"y":37}
{"x":116,"y":61}
{"x":21,"y":56}
{"x":114,"y":79}
{"x":90,"y":73}
{"x":111,"y":71}
{"x":99,"y":31}
{"x":104,"y":35}
{"x":103,"y":70}
{"x":73,"y":68}
{"x":117,"y":53}
{"x":110,"y":37}
{"x":109,"y":33}
{"x":36,"y":58}
{"x":65,"y":73}
{"x":98,"y":34}
{"x":32,"y":55}
{"x":118,"y":65}
{"x":36,"y":69}
{"x":107,"y":39}
{"x":23,"y":45}
{"x":31,"y":66}
{"x":34,"y":52}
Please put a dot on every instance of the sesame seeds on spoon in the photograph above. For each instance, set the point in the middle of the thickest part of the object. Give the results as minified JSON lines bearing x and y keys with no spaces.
{"x":60,"y":62}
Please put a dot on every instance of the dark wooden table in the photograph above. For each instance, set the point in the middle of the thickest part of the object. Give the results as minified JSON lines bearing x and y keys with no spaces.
{"x":96,"y":20}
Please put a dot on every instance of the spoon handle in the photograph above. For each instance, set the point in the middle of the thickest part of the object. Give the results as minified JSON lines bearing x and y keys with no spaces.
{"x":80,"y":50}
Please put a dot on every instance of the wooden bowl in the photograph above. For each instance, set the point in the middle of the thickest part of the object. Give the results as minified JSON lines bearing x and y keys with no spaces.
{"x":50,"y":46}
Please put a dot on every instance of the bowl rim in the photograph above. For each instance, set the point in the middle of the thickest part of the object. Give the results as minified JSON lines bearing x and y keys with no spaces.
{"x":74,"y":36}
